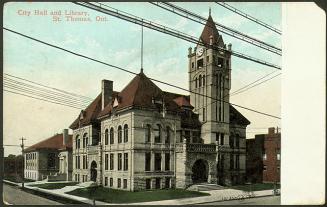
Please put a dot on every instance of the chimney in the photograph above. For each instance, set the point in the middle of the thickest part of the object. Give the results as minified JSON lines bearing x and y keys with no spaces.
{"x":229,"y":47}
{"x":271,"y":130}
{"x":106,"y":93}
{"x":65,"y":136}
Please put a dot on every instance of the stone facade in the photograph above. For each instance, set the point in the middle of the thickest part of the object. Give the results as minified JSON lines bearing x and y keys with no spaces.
{"x":145,"y":138}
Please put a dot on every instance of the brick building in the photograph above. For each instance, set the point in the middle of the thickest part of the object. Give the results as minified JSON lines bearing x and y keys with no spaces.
{"x":50,"y":159}
{"x":263,"y":157}
{"x":144,"y":138}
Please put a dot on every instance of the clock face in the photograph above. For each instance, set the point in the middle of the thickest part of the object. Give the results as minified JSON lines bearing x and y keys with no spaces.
{"x":199,"y":51}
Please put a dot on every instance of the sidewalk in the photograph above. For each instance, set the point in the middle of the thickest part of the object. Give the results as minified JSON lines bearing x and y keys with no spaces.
{"x":215,"y":195}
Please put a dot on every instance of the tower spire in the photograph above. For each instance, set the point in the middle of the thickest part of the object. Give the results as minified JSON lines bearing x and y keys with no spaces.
{"x":209,"y":11}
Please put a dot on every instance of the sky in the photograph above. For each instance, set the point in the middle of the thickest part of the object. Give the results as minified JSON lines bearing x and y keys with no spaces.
{"x":118,"y":42}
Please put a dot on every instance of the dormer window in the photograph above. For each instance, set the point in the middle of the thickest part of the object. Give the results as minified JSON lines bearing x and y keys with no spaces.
{"x":82,"y":114}
{"x":115,"y":103}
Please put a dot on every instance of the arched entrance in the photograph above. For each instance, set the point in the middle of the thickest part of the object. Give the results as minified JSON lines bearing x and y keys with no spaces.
{"x":94,"y":171}
{"x":200,"y":171}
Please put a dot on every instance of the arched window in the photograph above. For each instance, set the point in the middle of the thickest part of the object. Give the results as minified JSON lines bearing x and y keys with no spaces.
{"x":111,"y":135}
{"x":148,"y":133}
{"x":106,"y":136}
{"x":204,"y":80}
{"x":167,"y":135}
{"x":196,"y":82}
{"x":125,"y":133}
{"x":200,"y":80}
{"x":120,"y":133}
{"x":76,"y":141}
{"x":237,"y":141}
{"x":157,"y":138}
{"x":85,"y":140}
{"x":231,"y":141}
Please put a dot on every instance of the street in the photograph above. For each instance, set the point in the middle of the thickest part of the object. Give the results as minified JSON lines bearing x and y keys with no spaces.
{"x":270,"y":200}
{"x":15,"y":196}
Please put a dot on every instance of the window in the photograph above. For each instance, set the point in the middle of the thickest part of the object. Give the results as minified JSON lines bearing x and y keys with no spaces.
{"x":148,"y":133}
{"x":148,"y":184}
{"x":237,"y":161}
{"x":120,"y":134}
{"x":51,"y":160}
{"x":231,"y":164}
{"x":222,"y":137}
{"x":125,"y":133}
{"x":265,"y":168}
{"x":203,"y":114}
{"x":167,"y":161}
{"x":111,"y":182}
{"x":158,"y":183}
{"x":237,"y":141}
{"x":264,"y":155}
{"x":119,"y":161}
{"x":147,"y":161}
{"x":278,"y":154}
{"x":106,"y":162}
{"x":76,"y":141}
{"x":220,"y":62}
{"x":167,"y":183}
{"x":204,"y":80}
{"x":192,"y":64}
{"x":84,"y":162}
{"x":106,"y":136}
{"x":111,"y":136}
{"x":84,"y":140}
{"x":79,"y":162}
{"x":207,"y":59}
{"x":125,"y":183}
{"x":187,"y":136}
{"x":118,"y":183}
{"x":157,"y":138}
{"x":196,"y":82}
{"x":231,"y":141}
{"x":76,"y":162}
{"x":167,"y":135}
{"x":111,"y":161}
{"x":200,"y":63}
{"x":200,"y":80}
{"x":125,"y":161}
{"x":157,"y":161}
{"x":105,"y":181}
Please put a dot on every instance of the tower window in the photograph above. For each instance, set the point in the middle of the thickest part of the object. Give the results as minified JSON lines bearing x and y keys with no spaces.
{"x":204,"y":114}
{"x":200,"y":63}
{"x":200,"y":80}
{"x":196,"y":82}
{"x":192,"y":64}
{"x":204,"y":80}
{"x":220,"y":62}
{"x":207,"y":59}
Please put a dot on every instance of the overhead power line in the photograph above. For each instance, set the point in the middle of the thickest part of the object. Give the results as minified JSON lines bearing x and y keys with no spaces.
{"x":16,"y":87}
{"x":56,"y":89}
{"x":22,"y":94}
{"x":49,"y":92}
{"x":128,"y":71}
{"x":224,"y":29}
{"x":163,"y":29}
{"x":237,"y":11}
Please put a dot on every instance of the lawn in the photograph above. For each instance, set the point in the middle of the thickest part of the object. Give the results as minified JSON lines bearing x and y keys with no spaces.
{"x":16,"y":179}
{"x":53,"y":185}
{"x":255,"y":187}
{"x":119,"y":196}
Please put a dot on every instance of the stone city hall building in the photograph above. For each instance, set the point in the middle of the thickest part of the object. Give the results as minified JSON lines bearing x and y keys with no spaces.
{"x":146,"y":138}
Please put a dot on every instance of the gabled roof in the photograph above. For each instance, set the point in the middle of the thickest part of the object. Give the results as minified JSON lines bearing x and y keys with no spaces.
{"x":208,"y":30}
{"x":139,"y":92}
{"x":236,"y":117}
{"x":54,"y":142}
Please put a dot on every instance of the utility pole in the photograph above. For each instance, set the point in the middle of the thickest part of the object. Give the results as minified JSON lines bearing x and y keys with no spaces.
{"x":23,"y":165}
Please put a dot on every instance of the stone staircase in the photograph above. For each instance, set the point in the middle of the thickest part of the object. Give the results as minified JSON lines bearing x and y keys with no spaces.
{"x":205,"y":187}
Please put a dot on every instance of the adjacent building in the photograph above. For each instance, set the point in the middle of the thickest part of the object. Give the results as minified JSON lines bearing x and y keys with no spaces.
{"x":50,"y":159}
{"x":263,"y":157}
{"x":145,"y":138}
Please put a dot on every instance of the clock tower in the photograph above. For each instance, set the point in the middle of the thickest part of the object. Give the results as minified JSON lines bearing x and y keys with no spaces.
{"x":210,"y":76}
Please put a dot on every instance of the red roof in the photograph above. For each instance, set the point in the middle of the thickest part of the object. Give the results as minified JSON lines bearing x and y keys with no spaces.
{"x":181,"y":101}
{"x":140,"y":92}
{"x":210,"y":30}
{"x":54,"y":142}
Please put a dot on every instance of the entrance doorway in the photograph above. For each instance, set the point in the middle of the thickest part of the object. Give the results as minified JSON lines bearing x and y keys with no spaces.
{"x":94,"y":171}
{"x":200,"y":171}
